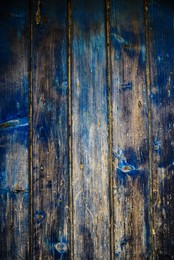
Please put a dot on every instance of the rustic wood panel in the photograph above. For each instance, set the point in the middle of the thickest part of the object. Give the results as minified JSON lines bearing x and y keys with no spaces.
{"x":50,"y":131}
{"x":161,"y":57}
{"x":130,"y":130}
{"x":14,"y":81}
{"x":100,"y":144}
{"x":90,"y":177}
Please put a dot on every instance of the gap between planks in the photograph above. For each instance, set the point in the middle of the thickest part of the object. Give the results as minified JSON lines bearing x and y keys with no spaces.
{"x":70,"y":126}
{"x":110,"y":125}
{"x":31,"y":135}
{"x":148,"y":90}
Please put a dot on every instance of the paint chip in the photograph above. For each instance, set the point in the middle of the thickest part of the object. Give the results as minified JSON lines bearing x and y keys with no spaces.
{"x":41,"y":167}
{"x":153,"y":232}
{"x":156,"y":145}
{"x":81,"y":166}
{"x":14,"y":123}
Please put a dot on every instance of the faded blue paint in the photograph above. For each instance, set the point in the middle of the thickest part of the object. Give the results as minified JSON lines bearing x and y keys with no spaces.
{"x":161,"y":43}
{"x":126,"y":86}
{"x":12,"y":138}
{"x":127,"y":43}
{"x":90,"y":122}
{"x":156,"y":146}
{"x":14,"y":77}
{"x":50,"y":128}
{"x":14,"y":104}
{"x":127,"y":160}
{"x":16,"y":225}
{"x":163,"y":52}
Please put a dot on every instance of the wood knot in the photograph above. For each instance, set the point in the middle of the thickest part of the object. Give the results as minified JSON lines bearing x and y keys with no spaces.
{"x":61,"y":247}
{"x":40,"y":216}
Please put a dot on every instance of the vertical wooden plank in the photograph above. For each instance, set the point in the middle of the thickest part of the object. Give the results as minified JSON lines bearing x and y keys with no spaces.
{"x":161,"y":57}
{"x":14,"y":68}
{"x":90,"y":177}
{"x":130,"y":130}
{"x":50,"y":133}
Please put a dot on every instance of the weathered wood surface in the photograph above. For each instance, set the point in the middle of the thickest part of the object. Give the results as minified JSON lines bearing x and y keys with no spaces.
{"x":130,"y":130}
{"x":90,"y":178}
{"x":98,"y":150}
{"x":50,"y":131}
{"x":161,"y":57}
{"x":14,"y":82}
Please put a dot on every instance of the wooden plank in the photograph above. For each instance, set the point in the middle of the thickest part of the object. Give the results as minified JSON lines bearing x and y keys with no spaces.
{"x":130,"y":130}
{"x":161,"y":57}
{"x":14,"y":225}
{"x":14,"y":67}
{"x":50,"y":133}
{"x":90,"y":178}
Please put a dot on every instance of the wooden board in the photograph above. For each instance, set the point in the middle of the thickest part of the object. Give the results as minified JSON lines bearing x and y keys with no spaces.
{"x":50,"y":131}
{"x":130,"y":130}
{"x":161,"y":57}
{"x":90,"y":178}
{"x":86,"y":129}
{"x":14,"y":82}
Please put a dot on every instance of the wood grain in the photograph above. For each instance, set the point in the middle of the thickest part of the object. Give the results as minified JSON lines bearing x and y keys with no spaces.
{"x":161,"y":57}
{"x":14,"y":85}
{"x":50,"y":131}
{"x":130,"y":130}
{"x":90,"y":177}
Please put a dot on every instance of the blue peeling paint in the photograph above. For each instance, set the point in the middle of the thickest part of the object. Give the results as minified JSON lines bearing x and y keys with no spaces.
{"x":119,"y":39}
{"x":14,"y":123}
{"x":124,"y":165}
{"x":152,"y":96}
{"x":143,"y":53}
{"x":126,"y":86}
{"x":163,"y":76}
{"x":122,"y":45}
{"x":117,"y":253}
{"x":156,"y":146}
{"x":124,"y":241}
{"x":126,"y":168}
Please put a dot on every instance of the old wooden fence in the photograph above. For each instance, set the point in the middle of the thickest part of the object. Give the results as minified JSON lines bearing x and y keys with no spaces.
{"x":86,"y":124}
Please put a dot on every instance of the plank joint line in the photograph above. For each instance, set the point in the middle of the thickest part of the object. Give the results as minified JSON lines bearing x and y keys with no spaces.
{"x":70,"y":125}
{"x":148,"y":90}
{"x":31,"y":136}
{"x":110,"y":130}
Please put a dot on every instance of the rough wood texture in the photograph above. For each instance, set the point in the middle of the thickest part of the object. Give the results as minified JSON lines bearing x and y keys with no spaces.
{"x":90,"y":178}
{"x":14,"y":199}
{"x":161,"y":55}
{"x":130,"y":130}
{"x":50,"y":131}
{"x":99,"y":146}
